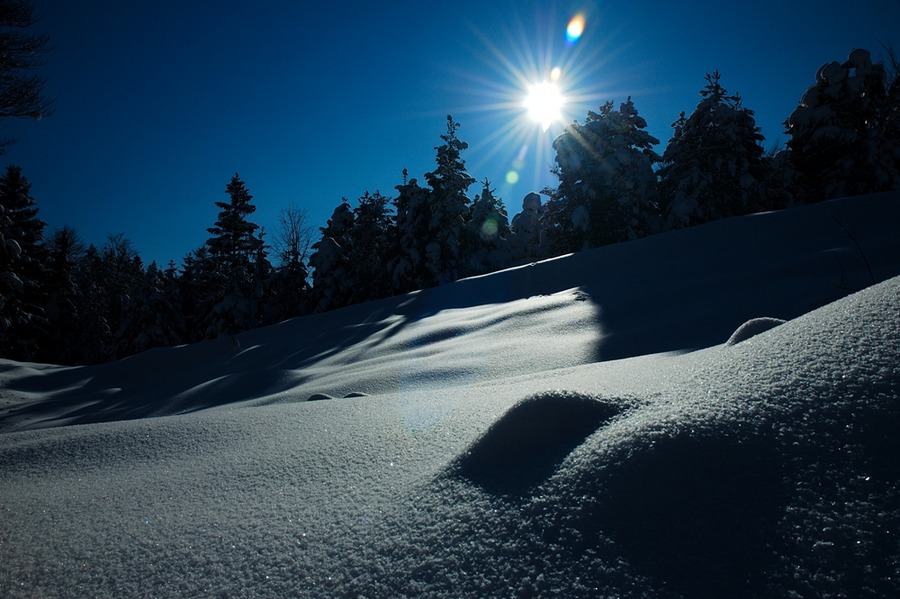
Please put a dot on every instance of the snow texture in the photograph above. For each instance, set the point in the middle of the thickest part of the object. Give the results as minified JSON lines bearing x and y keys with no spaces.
{"x":573,"y":428}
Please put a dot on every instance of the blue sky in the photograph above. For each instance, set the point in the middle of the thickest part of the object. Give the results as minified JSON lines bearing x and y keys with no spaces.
{"x":159,"y":103}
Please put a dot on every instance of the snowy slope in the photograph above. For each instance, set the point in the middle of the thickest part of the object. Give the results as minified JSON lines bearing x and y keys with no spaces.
{"x":543,"y":431}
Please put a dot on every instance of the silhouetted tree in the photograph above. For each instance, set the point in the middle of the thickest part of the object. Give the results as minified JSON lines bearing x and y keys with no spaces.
{"x":65,"y":251}
{"x":153,"y":318}
{"x":447,"y":233}
{"x":844,"y":135}
{"x":527,"y":241}
{"x":332,"y":271}
{"x":607,"y":187}
{"x":714,"y":166}
{"x":407,"y":268}
{"x":488,"y":232}
{"x":21,"y":91}
{"x":370,"y":248}
{"x":22,"y":268}
{"x":234,"y":254}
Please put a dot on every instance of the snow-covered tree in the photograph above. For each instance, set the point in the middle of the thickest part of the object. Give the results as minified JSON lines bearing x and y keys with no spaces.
{"x":714,"y":166}
{"x":844,"y":135}
{"x":447,"y":233}
{"x":22,"y":268}
{"x":330,"y":261}
{"x":235,"y":251}
{"x":370,"y":248}
{"x":489,"y":233}
{"x":407,"y":267}
{"x":526,"y":243}
{"x":607,"y":187}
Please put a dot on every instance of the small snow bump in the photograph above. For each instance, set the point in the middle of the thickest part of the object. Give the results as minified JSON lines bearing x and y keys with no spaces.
{"x":319,"y":397}
{"x":751,"y":328}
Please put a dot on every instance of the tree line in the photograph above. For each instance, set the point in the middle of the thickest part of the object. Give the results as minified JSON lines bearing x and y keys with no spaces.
{"x":65,"y":303}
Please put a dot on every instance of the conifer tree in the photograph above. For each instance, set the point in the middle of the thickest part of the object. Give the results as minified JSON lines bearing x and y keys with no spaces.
{"x":153,"y":318}
{"x":528,"y":231}
{"x":607,"y":187}
{"x":94,"y":337}
{"x":22,"y":268}
{"x":64,"y":251}
{"x":407,"y":267}
{"x":489,"y":232}
{"x":447,"y":234}
{"x":370,"y":248}
{"x":844,"y":135}
{"x":21,"y":90}
{"x":234,"y":252}
{"x":332,"y":283}
{"x":714,"y":166}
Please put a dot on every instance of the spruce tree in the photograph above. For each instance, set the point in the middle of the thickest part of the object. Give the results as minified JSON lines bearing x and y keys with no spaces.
{"x":234,"y":253}
{"x":714,"y":166}
{"x":607,"y":187}
{"x":447,"y":234}
{"x":22,"y":268}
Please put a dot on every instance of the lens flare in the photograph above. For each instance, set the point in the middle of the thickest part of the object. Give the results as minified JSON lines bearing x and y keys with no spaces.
{"x":575,"y":29}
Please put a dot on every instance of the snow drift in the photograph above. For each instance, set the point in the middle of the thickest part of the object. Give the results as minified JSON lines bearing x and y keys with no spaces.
{"x":576,"y":427}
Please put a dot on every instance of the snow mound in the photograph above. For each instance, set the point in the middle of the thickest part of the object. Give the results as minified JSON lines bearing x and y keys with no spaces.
{"x":753,"y":327}
{"x":526,"y":444}
{"x":771,"y":472}
{"x":661,"y":470}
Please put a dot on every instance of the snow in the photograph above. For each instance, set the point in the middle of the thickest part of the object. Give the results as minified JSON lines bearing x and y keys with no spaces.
{"x":577,"y":427}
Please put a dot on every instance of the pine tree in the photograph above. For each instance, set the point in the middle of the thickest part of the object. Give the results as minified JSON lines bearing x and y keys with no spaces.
{"x":844,"y":136}
{"x":234,"y":252}
{"x":714,"y":166}
{"x":447,"y":234}
{"x":607,"y":187}
{"x":22,"y":268}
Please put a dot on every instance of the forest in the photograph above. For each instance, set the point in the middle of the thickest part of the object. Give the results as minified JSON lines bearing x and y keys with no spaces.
{"x":63,"y":302}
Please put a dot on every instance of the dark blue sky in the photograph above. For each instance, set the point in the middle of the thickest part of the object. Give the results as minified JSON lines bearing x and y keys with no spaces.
{"x":159,"y":103}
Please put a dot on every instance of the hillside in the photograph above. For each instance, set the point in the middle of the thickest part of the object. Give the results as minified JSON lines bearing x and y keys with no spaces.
{"x":575,"y":427}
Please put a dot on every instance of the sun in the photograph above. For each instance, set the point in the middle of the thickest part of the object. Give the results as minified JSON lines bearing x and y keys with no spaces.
{"x":544,"y":103}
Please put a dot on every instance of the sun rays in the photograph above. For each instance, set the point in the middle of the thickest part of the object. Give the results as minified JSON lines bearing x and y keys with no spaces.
{"x":536,"y":78}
